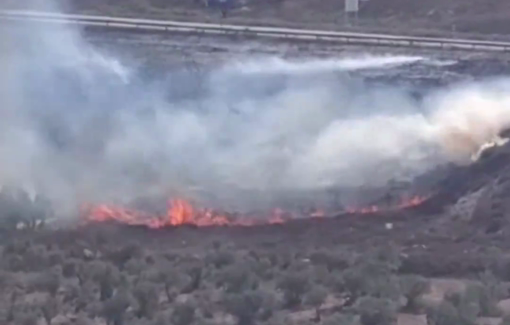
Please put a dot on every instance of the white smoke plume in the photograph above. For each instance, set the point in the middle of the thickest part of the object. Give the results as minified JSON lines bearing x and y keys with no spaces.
{"x":79,"y":126}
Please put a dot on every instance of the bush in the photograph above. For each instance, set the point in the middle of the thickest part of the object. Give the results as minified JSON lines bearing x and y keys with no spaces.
{"x":171,"y":279}
{"x":321,"y":276}
{"x":237,"y":278}
{"x":220,"y":258}
{"x":279,"y":320}
{"x":376,"y":311}
{"x":50,"y":309}
{"x":194,"y":274}
{"x":341,"y":319}
{"x":479,"y":299}
{"x":413,"y":287}
{"x":84,"y":320}
{"x":47,"y":282}
{"x":331,"y":260}
{"x":11,"y":306}
{"x":71,"y":293}
{"x":505,"y":320}
{"x":121,"y":256}
{"x":369,"y":277}
{"x":489,"y":293}
{"x":315,"y":298}
{"x":55,"y":259}
{"x":146,"y":295}
{"x":484,"y":298}
{"x":183,"y":314}
{"x":269,"y":305}
{"x":70,"y":268}
{"x":467,"y":306}
{"x":33,"y":258}
{"x":85,"y":296}
{"x":26,"y":317}
{"x":134,"y":267}
{"x":447,"y":314}
{"x":247,"y":306}
{"x":162,"y":318}
{"x":114,"y":309}
{"x":261,"y":267}
{"x":294,"y":286}
{"x":107,"y":277}
{"x":387,"y":257}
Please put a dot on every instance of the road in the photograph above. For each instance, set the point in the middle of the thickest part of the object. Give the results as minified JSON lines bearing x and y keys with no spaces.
{"x":256,"y":31}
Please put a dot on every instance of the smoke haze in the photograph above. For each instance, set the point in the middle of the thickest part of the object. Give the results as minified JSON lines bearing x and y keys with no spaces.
{"x":79,"y":126}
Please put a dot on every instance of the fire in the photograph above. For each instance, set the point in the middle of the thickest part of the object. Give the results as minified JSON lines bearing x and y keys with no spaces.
{"x":278,"y":216}
{"x":182,"y":212}
{"x":403,"y":204}
{"x":412,"y":202}
{"x":179,"y":212}
{"x":319,"y":213}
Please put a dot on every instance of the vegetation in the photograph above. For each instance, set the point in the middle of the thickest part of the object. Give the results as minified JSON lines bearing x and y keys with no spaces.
{"x":125,"y":276}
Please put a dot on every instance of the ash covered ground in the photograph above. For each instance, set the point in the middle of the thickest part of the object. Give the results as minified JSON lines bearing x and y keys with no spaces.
{"x":445,"y":258}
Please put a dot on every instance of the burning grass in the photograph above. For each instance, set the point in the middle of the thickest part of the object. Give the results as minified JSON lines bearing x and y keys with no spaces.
{"x":182,"y":212}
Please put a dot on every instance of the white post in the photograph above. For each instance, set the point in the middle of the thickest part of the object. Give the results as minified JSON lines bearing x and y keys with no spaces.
{"x":351,"y":7}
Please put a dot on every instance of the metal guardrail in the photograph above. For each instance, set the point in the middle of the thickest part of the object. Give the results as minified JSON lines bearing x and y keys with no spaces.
{"x":259,"y":31}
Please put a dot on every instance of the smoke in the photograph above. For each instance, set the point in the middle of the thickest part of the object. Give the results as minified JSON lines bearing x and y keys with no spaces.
{"x":470,"y":117}
{"x":79,"y":126}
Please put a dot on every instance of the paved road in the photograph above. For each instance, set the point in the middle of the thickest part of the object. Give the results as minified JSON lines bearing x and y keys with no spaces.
{"x":276,"y":32}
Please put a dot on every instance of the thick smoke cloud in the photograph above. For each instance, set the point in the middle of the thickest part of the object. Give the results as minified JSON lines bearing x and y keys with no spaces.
{"x":79,"y":126}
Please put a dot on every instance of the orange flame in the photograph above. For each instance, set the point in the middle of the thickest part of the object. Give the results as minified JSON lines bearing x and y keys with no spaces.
{"x":404,"y":204}
{"x":182,"y":212}
{"x":319,"y":213}
{"x":179,"y":212}
{"x":277,"y":217}
{"x":412,"y":202}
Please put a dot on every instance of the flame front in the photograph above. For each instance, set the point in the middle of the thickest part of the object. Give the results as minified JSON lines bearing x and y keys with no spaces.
{"x":179,"y":212}
{"x":182,"y":212}
{"x":403,"y":204}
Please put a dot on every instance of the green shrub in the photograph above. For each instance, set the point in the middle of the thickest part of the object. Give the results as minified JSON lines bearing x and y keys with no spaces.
{"x":248,"y":306}
{"x":183,"y":314}
{"x":376,"y":311}
{"x":447,"y":314}
{"x":294,"y":287}
{"x":413,"y":287}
